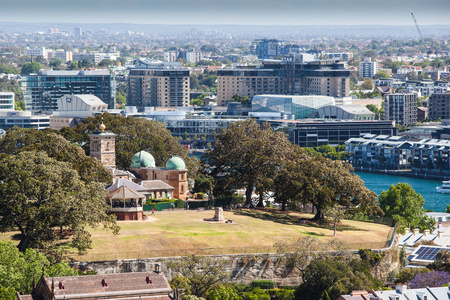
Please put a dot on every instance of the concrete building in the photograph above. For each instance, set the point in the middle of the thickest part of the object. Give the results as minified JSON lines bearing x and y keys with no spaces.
{"x":346,"y":56}
{"x":157,"y":83}
{"x":401,"y":292}
{"x":42,"y":90}
{"x":266,"y":48}
{"x":401,"y":108}
{"x":367,"y":68}
{"x":439,"y":106}
{"x":72,"y":109}
{"x":35,"y":52}
{"x":7,"y":101}
{"x":171,"y":56}
{"x":326,"y":78}
{"x":23,"y":119}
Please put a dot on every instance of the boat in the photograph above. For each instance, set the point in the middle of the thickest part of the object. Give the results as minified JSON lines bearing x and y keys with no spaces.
{"x":444,"y":188}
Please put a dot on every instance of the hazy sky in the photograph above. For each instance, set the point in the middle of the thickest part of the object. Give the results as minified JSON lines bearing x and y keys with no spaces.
{"x":257,"y":12}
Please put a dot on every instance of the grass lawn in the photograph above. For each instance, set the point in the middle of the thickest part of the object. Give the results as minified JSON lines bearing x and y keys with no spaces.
{"x":174,"y":233}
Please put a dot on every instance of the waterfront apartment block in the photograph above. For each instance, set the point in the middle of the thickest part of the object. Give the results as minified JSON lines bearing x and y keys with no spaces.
{"x":401,"y":108}
{"x":439,"y":106}
{"x":326,"y":78}
{"x":396,"y":152}
{"x":42,"y":90}
{"x":157,"y":84}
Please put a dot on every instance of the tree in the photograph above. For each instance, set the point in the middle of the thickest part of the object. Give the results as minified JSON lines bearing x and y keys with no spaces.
{"x":29,"y":68}
{"x":331,"y":278}
{"x":197,"y":101}
{"x":202,"y":272}
{"x":245,"y":154}
{"x":324,"y":183}
{"x":223,"y":293}
{"x":89,"y":169}
{"x":86,"y":63}
{"x":367,"y":84}
{"x":381,"y":74}
{"x":429,"y":279}
{"x":45,"y":200}
{"x":335,"y":214}
{"x":17,"y":269}
{"x":132,"y":135}
{"x":106,"y":63}
{"x":405,"y":207}
{"x":55,"y":63}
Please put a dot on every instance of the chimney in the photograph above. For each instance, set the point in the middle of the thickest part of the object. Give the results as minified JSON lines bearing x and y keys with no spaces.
{"x":401,"y":288}
{"x":439,"y":234}
{"x":104,"y":283}
{"x":426,"y":232}
{"x":61,"y":286}
{"x":148,"y":280}
{"x":406,"y":230}
{"x":416,"y":231}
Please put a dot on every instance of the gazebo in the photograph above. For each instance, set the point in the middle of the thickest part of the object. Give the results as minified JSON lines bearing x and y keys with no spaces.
{"x":126,"y":203}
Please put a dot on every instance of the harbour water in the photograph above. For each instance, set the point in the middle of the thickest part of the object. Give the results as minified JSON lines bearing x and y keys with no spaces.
{"x":427,"y":188}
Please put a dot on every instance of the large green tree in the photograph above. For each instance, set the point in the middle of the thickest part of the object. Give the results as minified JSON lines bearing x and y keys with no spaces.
{"x":405,"y":206}
{"x":17,"y":140}
{"x":45,"y":200}
{"x":17,"y":269}
{"x":246,"y":154}
{"x":29,"y":68}
{"x":133,"y":135}
{"x":323,"y":183}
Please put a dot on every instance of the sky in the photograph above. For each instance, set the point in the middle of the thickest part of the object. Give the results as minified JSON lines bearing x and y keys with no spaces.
{"x":246,"y":12}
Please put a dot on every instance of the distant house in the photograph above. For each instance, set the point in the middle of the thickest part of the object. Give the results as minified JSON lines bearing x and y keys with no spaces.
{"x":401,"y":292}
{"x":139,"y":285}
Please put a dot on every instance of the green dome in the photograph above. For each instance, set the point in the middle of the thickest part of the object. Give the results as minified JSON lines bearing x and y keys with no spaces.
{"x":175,"y":163}
{"x":143,"y":159}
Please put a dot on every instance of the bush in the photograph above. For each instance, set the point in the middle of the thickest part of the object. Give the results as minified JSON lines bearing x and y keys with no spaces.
{"x":179,"y":203}
{"x":263,"y":284}
{"x":201,"y":195}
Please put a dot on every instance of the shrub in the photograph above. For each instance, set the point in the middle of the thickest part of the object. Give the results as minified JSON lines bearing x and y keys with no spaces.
{"x":179,"y":203}
{"x":263,"y":284}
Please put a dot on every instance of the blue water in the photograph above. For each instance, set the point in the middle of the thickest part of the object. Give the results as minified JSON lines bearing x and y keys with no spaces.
{"x":427,"y":188}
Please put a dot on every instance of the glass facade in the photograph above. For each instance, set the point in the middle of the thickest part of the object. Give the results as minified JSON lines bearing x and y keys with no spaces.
{"x":297,"y":106}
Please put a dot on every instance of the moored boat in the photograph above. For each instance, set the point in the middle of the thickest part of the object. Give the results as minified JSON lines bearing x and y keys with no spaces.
{"x":444,"y":188}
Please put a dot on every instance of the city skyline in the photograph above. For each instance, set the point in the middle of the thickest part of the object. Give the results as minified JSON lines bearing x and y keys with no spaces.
{"x":245,"y":12}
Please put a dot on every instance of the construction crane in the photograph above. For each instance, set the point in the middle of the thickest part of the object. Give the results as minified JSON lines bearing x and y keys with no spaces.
{"x":417,"y":26}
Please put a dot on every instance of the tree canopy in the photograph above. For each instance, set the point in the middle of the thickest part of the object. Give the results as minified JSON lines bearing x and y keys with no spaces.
{"x":245,"y":155}
{"x":46,"y":200}
{"x":17,"y":140}
{"x":29,"y":68}
{"x":405,"y":206}
{"x":133,"y":135}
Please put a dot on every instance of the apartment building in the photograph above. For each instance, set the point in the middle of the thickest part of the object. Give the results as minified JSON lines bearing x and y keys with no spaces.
{"x":401,"y":108}
{"x":326,"y":78}
{"x":157,"y":84}
{"x":439,"y":106}
{"x":7,"y":101}
{"x":367,"y":68}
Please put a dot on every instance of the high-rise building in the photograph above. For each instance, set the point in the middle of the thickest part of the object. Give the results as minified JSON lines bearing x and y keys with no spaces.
{"x":439,"y":106}
{"x":326,"y":78}
{"x":401,"y":108}
{"x":42,"y":90}
{"x":156,"y":83}
{"x":77,"y":31}
{"x":267,"y":48}
{"x":368,"y":68}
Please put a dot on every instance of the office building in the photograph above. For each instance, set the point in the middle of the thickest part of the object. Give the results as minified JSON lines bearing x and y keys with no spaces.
{"x":7,"y":101}
{"x":41,"y":91}
{"x":367,"y":68}
{"x":291,"y":107}
{"x":77,"y":31}
{"x":156,"y":83}
{"x":326,"y":78}
{"x":439,"y":106}
{"x":23,"y":119}
{"x":401,"y":108}
{"x":35,"y":52}
{"x":346,"y":56}
{"x":345,"y":112}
